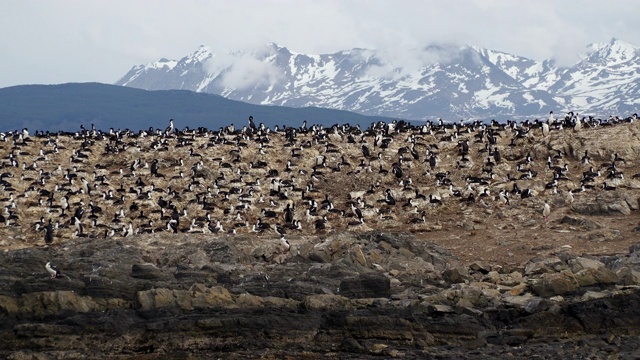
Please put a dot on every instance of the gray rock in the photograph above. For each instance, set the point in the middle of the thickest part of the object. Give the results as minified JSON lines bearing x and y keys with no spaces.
{"x":581,"y":263}
{"x":608,"y":203}
{"x":437,"y":308}
{"x":117,"y":304}
{"x":627,"y":276}
{"x":598,"y":276}
{"x":456,"y":274}
{"x":590,"y":295}
{"x":535,"y":305}
{"x":479,"y":267}
{"x":552,"y":284}
{"x":634,"y":248}
{"x":585,"y":224}
{"x":546,"y":265}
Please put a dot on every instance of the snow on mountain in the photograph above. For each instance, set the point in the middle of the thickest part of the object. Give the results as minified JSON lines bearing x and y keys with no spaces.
{"x":607,"y":79}
{"x":530,"y":73}
{"x":447,"y":81}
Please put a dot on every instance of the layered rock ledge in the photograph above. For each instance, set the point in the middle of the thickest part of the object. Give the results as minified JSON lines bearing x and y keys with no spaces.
{"x":342,"y":295}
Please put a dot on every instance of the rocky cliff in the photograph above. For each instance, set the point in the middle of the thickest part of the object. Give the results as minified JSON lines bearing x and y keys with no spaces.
{"x":392,"y":241}
{"x":343,"y":295}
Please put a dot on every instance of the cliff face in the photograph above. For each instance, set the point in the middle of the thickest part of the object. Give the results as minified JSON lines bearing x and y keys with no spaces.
{"x":342,"y":295}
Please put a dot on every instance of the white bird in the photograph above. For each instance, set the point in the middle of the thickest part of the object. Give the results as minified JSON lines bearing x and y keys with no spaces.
{"x":52,"y":270}
{"x":503,"y":197}
{"x":546,"y":211}
{"x":284,"y":243}
{"x":578,"y":124}
{"x":570,"y":197}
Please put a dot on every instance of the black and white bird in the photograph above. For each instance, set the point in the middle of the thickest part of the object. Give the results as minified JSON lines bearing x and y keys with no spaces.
{"x":48,"y":233}
{"x":52,"y":270}
{"x":284,"y":244}
{"x":169,"y":128}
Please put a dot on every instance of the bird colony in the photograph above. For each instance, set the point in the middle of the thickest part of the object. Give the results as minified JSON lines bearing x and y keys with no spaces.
{"x":285,"y":181}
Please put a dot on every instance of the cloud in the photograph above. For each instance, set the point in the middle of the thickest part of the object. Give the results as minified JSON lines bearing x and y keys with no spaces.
{"x":243,"y":70}
{"x":402,"y":62}
{"x":76,"y":40}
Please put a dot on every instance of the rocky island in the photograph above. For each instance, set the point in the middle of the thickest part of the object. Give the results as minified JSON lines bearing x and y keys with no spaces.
{"x":465,"y":240}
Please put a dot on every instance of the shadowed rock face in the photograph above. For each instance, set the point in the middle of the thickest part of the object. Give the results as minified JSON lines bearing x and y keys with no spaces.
{"x":405,"y":261}
{"x":173,"y":295}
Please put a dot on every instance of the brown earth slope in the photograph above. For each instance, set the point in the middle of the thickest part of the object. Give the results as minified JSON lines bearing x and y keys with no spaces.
{"x":233,"y":177}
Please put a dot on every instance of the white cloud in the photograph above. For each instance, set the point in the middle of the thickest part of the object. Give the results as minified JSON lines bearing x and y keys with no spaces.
{"x":77,"y":40}
{"x":401,"y":62}
{"x":242,"y":70}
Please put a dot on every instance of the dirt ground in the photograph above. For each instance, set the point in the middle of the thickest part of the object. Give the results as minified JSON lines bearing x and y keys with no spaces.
{"x":506,"y":244}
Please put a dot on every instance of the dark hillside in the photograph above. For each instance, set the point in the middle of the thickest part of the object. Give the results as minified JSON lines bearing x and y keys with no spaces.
{"x":67,"y":106}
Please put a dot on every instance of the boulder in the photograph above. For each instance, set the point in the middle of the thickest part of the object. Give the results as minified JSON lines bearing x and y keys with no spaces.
{"x":473,"y":295}
{"x":607,"y":203}
{"x":519,"y":301}
{"x":580,"y":263}
{"x":536,"y":304}
{"x":598,"y":276}
{"x":590,"y":295}
{"x":156,"y":298}
{"x":546,"y":265}
{"x":358,"y":256}
{"x":585,"y":224}
{"x":518,"y":289}
{"x":331,"y":248}
{"x":627,"y":276}
{"x":552,"y":284}
{"x":455,"y":275}
{"x":479,"y":267}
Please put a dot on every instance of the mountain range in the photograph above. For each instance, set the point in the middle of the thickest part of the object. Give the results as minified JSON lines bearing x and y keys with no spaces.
{"x":438,"y":81}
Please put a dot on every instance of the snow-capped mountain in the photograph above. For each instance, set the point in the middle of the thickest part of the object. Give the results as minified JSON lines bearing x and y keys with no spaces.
{"x":606,"y":79}
{"x":447,"y":81}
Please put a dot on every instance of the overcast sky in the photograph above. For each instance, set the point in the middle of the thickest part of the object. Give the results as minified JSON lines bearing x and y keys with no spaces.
{"x":51,"y":42}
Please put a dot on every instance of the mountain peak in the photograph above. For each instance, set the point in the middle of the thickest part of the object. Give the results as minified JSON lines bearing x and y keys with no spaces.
{"x":615,"y":50}
{"x":275,"y":45}
{"x":202,"y":53}
{"x":438,"y":80}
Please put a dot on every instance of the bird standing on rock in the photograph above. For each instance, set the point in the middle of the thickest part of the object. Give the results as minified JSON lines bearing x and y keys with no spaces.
{"x":48,"y":233}
{"x":55,"y":273}
{"x":546,"y":210}
{"x":169,"y":128}
{"x":284,"y":244}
